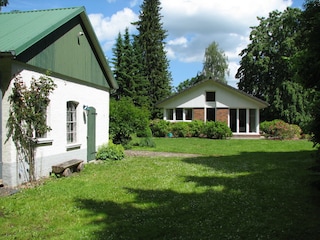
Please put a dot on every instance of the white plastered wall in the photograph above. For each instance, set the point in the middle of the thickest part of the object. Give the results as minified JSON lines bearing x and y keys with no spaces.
{"x":56,"y":150}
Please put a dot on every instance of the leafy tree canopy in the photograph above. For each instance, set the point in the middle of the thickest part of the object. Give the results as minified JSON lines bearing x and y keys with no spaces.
{"x":215,"y":63}
{"x":266,"y":68}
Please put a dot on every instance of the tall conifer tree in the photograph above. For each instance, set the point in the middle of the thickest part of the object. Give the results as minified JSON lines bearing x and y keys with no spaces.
{"x":118,"y":67}
{"x":127,"y":64}
{"x":151,"y":42}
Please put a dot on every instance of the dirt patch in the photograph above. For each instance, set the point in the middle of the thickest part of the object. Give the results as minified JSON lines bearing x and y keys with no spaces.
{"x":136,"y":153}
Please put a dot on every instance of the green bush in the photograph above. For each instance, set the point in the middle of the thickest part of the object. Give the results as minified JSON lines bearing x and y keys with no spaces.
{"x":160,"y":128}
{"x":147,"y":142}
{"x":280,"y":129}
{"x":180,"y":129}
{"x":217,"y":130}
{"x":110,"y":151}
{"x":196,"y":128}
{"x":147,"y":133}
{"x":125,"y":120}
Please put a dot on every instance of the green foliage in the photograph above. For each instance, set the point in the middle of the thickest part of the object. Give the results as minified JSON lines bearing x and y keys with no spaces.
{"x":147,"y":142}
{"x":126,"y":119}
{"x":215,"y":64}
{"x":110,"y":151}
{"x":196,"y":128}
{"x":267,"y":68}
{"x":189,"y":83}
{"x":308,"y":60}
{"x":155,"y":65}
{"x":160,"y":128}
{"x":144,"y":132}
{"x":127,"y":66}
{"x":217,"y":130}
{"x":280,"y":129}
{"x":27,"y":116}
{"x":180,"y":129}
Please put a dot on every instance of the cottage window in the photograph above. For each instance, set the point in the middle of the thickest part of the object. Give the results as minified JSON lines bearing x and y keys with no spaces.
{"x":169,"y":114}
{"x":211,"y":114}
{"x":233,"y":120}
{"x":188,"y":113}
{"x":210,"y":96}
{"x":242,"y":120}
{"x":252,"y":120}
{"x":71,"y":122}
{"x":179,"y":114}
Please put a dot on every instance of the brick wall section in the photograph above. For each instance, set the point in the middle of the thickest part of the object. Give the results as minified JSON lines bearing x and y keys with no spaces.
{"x":198,"y":114}
{"x":222,"y":115}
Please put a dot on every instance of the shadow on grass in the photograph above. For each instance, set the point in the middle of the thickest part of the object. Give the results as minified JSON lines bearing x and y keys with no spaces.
{"x":249,"y":196}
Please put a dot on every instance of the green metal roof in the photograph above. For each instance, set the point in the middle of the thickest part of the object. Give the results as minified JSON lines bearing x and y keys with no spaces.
{"x":20,"y":30}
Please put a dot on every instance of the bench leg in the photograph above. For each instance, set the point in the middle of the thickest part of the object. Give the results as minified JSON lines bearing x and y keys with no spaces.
{"x":67,"y":172}
{"x":80,"y":167}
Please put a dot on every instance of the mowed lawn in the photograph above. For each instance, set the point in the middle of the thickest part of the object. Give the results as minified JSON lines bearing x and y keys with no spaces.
{"x":237,"y":189}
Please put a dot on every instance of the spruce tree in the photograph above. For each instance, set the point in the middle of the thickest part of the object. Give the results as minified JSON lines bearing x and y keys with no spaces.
{"x":118,"y":67}
{"x":127,"y":63}
{"x":150,"y":39}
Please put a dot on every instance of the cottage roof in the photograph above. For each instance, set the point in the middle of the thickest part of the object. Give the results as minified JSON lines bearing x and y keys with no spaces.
{"x":21,"y":30}
{"x":220,"y":84}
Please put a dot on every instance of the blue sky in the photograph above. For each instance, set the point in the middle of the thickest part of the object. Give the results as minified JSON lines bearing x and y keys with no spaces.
{"x":191,"y":26}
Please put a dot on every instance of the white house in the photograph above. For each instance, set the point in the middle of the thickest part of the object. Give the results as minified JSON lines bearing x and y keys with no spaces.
{"x":63,"y":42}
{"x":211,"y":100}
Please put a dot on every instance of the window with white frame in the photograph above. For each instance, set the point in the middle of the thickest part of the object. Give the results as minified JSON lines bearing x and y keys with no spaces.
{"x":169,"y":114}
{"x":210,"y":96}
{"x":71,"y":122}
{"x":188,"y":113}
{"x":179,"y":113}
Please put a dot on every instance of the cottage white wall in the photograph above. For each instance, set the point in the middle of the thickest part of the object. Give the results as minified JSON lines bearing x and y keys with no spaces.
{"x":57,"y":151}
{"x":196,"y":98}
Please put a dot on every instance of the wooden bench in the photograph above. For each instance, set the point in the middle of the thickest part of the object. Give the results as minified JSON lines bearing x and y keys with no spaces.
{"x":67,"y":168}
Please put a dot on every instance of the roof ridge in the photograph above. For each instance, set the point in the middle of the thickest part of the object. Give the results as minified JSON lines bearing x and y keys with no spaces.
{"x":40,"y":10}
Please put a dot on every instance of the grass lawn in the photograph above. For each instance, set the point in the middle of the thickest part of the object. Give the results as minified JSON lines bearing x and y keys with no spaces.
{"x":238,"y":189}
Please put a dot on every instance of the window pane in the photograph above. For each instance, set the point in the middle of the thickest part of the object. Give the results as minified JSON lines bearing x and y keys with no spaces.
{"x":242,"y":120}
{"x":252,"y":120}
{"x":233,"y":120}
{"x":211,"y":114}
{"x":179,"y":114}
{"x":71,"y":122}
{"x":188,"y":113}
{"x":169,"y":114}
{"x":210,"y":96}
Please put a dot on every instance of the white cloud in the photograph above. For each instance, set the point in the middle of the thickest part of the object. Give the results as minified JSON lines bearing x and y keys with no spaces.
{"x":193,"y":24}
{"x":108,"y":28}
{"x":200,"y":22}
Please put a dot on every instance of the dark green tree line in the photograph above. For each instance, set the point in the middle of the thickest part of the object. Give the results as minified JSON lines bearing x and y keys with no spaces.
{"x":127,"y":70}
{"x":150,"y":39}
{"x":140,"y":63}
{"x":267,"y":68}
{"x":308,"y":59}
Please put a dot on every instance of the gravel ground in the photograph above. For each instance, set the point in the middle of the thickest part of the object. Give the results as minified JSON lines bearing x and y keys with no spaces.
{"x":134,"y":153}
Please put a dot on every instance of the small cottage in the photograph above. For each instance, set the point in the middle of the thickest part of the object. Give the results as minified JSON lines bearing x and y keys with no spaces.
{"x":211,"y":100}
{"x":63,"y":42}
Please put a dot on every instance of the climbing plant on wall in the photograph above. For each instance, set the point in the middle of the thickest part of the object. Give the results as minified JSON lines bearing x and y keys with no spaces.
{"x":27,"y":117}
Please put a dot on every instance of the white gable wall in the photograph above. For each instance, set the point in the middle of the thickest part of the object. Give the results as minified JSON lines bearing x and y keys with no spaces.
{"x":57,"y":150}
{"x":196,"y":98}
